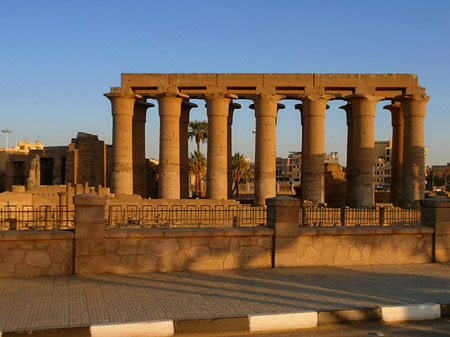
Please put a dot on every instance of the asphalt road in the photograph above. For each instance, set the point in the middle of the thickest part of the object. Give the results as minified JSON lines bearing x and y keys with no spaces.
{"x":436,"y":328}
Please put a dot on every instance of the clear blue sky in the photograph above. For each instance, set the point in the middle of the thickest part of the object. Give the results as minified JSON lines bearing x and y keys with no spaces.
{"x":58,"y":58}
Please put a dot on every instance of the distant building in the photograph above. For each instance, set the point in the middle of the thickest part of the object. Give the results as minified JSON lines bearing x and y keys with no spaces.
{"x":24,"y":147}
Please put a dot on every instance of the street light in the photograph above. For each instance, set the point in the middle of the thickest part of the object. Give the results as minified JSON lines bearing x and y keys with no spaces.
{"x":6,"y":131}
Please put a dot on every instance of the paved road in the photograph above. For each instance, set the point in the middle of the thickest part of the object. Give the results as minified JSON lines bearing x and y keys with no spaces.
{"x":439,"y":328}
{"x":47,"y":302}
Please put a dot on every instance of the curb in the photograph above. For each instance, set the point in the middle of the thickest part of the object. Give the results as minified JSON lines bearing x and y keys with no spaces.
{"x":253,"y":323}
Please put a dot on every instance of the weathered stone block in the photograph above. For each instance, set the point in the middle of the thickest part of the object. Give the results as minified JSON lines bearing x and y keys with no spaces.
{"x":211,"y":265}
{"x":219,"y":242}
{"x":57,"y":255}
{"x":125,"y":249}
{"x":14,"y":256}
{"x":89,"y":264}
{"x":199,"y":253}
{"x":7,"y":269}
{"x":251,"y":251}
{"x":164,"y":247}
{"x":38,"y":258}
{"x":310,"y":257}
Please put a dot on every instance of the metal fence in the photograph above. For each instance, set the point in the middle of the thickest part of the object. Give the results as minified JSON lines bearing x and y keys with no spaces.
{"x":204,"y":216}
{"x":321,"y":216}
{"x":36,"y":218}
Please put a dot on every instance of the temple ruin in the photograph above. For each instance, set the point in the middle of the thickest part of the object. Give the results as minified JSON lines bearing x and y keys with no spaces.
{"x":406,"y":101}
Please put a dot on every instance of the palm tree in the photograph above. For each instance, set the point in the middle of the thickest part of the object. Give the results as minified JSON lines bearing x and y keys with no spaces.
{"x":198,"y":130}
{"x":197,"y":165}
{"x":239,"y":167}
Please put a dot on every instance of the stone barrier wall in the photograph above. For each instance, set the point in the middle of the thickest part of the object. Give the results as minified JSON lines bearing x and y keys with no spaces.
{"x":36,"y":253}
{"x":343,"y":246}
{"x":92,"y":249}
{"x":153,"y":250}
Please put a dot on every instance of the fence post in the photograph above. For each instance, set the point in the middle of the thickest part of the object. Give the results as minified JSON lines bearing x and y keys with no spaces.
{"x":89,"y":233}
{"x":282,"y":216}
{"x":381,"y":215}
{"x":436,"y":214}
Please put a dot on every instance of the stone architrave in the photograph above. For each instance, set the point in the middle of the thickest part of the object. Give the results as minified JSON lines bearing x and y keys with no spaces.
{"x":266,"y":108}
{"x":313,"y":147}
{"x":218,"y":105}
{"x":186,"y":107}
{"x":139,"y":169}
{"x":413,"y":174}
{"x":169,"y":144}
{"x":363,"y":110}
{"x":397,"y":151}
{"x":122,"y":101}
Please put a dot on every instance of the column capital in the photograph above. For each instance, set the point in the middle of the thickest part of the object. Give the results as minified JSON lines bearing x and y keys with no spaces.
{"x":357,"y":97}
{"x":349,"y":112}
{"x":315,"y":97}
{"x":122,"y":93}
{"x":413,"y":105}
{"x":396,"y":113}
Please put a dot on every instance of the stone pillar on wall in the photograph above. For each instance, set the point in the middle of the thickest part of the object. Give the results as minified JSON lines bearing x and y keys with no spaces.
{"x":89,"y":233}
{"x":169,"y":145}
{"x":283,"y":217}
{"x":139,"y":174}
{"x":436,"y":214}
{"x":233,"y":106}
{"x":313,"y":147}
{"x":122,"y":102}
{"x":348,"y":178}
{"x":396,"y":152}
{"x":413,"y":174}
{"x":363,"y":110}
{"x":266,"y":107}
{"x":186,"y":107}
{"x":218,"y":106}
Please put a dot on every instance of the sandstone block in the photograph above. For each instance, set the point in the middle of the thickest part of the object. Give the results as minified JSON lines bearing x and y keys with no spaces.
{"x":211,"y":265}
{"x":7,"y":269}
{"x":170,"y":262}
{"x":38,"y":258}
{"x":310,"y":257}
{"x":128,"y":261}
{"x":164,"y":247}
{"x":89,"y":264}
{"x":199,"y":253}
{"x":219,"y":242}
{"x":14,"y":256}
{"x":125,"y":249}
{"x":56,"y":254}
{"x":234,"y":246}
{"x":251,"y":251}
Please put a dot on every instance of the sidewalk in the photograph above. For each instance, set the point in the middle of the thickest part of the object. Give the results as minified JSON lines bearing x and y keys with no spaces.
{"x":85,"y":300}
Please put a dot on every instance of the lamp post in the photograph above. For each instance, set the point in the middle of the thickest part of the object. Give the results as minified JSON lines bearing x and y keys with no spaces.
{"x":6,"y":132}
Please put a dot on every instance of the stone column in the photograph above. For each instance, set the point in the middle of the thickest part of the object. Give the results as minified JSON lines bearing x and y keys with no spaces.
{"x":233,"y":106}
{"x":89,"y":234}
{"x":283,"y":217}
{"x":396,"y":151}
{"x":348,"y":178}
{"x":363,"y":110}
{"x":266,"y":106}
{"x":313,"y":147}
{"x":169,"y":145}
{"x":413,"y":179}
{"x":122,"y":111}
{"x":186,"y":107}
{"x":436,"y":214}
{"x":217,"y":106}
{"x":139,"y":172}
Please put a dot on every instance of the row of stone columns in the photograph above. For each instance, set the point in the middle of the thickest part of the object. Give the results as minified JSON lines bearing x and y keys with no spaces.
{"x":129,"y":111}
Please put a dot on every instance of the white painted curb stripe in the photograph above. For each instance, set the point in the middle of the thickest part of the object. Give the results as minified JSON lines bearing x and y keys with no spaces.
{"x":151,"y":328}
{"x":265,"y":322}
{"x":410,"y":312}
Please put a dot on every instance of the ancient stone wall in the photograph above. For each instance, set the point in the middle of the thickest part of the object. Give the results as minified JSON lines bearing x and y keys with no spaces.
{"x":31,"y":253}
{"x":174,"y":250}
{"x":364,"y":245}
